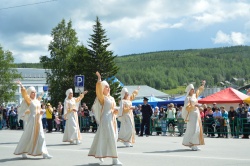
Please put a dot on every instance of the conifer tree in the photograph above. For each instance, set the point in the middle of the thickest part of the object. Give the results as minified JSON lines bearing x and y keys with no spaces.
{"x":100,"y":59}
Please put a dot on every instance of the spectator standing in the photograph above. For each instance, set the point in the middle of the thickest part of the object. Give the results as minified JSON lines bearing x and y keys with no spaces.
{"x":224,"y":128}
{"x":155,"y":121}
{"x":241,"y":115}
{"x":44,"y":120}
{"x":49,"y":113}
{"x":210,"y":122}
{"x":214,"y":107}
{"x":171,"y":112}
{"x":86,"y":118}
{"x":137,"y":118}
{"x":232,"y":116}
{"x":163,"y":120}
{"x":8,"y":118}
{"x":146,"y":115}
{"x":204,"y":108}
{"x":245,"y":124}
{"x":218,"y":121}
{"x":180,"y":122}
{"x":201,"y":109}
{"x":13,"y":118}
{"x":57,"y":122}
{"x":4,"y":120}
{"x":60,"y":108}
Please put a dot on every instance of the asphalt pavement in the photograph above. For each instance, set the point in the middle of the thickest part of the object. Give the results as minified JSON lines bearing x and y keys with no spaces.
{"x":147,"y":151}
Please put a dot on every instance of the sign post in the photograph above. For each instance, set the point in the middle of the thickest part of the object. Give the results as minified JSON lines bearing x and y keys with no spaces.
{"x":79,"y":83}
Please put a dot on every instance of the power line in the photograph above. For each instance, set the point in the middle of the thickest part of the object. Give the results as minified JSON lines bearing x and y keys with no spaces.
{"x":30,"y":4}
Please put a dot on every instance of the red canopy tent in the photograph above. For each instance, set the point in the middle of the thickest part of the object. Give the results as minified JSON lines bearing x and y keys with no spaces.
{"x":226,"y":96}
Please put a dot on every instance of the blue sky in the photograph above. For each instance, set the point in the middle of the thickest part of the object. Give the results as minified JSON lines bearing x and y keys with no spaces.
{"x":132,"y":26}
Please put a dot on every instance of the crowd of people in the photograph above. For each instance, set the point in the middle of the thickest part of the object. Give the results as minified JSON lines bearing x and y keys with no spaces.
{"x":217,"y":121}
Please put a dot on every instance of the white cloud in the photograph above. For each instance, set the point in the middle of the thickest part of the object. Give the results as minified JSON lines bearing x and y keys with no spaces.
{"x":238,"y":38}
{"x":158,"y":26}
{"x":28,"y":56}
{"x":215,"y":12}
{"x":35,"y":40}
{"x":124,"y":21}
{"x":235,"y":38}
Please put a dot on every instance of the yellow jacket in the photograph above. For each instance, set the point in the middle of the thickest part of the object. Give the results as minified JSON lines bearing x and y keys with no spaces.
{"x":49,"y":111}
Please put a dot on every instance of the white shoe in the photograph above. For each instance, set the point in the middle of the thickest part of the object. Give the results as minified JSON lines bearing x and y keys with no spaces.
{"x":24,"y":155}
{"x":195,"y":148}
{"x":126,"y":144}
{"x":47,"y":156}
{"x":116,"y":161}
{"x":101,"y":160}
{"x":78,"y":142}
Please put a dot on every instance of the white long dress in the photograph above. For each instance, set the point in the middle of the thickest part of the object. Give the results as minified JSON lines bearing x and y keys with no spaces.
{"x":127,"y":130}
{"x":104,"y":143}
{"x":194,"y":133}
{"x":32,"y":140}
{"x":72,"y":130}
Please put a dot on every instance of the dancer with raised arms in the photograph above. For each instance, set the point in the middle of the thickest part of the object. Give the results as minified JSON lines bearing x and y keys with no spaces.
{"x":32,"y":141}
{"x":104,"y":108}
{"x":190,"y":113}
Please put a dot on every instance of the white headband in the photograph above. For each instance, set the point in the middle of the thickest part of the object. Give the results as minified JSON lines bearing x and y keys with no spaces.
{"x":189,"y":88}
{"x":123,"y":92}
{"x":68,"y":92}
{"x":31,"y":89}
{"x":104,"y":83}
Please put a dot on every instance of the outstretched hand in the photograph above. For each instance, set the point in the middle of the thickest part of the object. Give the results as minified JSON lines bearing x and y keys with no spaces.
{"x":203,"y":82}
{"x":98,"y":75}
{"x":85,"y":92}
{"x":19,"y":82}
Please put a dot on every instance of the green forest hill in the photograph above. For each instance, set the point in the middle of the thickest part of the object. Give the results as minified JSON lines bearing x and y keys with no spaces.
{"x":165,"y":70}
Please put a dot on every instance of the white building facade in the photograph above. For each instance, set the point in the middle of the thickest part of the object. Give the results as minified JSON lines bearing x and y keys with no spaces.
{"x":32,"y":77}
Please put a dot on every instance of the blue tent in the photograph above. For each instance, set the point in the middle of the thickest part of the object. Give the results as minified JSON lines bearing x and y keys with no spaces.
{"x":178,"y":101}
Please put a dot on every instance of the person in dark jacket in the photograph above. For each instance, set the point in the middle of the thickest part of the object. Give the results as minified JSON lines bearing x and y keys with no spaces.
{"x":146,"y":114}
{"x":232,"y":116}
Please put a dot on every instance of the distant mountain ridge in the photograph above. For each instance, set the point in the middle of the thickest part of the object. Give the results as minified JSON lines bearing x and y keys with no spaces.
{"x":172,"y":68}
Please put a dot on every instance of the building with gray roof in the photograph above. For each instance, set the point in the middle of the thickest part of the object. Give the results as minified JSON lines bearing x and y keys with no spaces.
{"x":147,"y":91}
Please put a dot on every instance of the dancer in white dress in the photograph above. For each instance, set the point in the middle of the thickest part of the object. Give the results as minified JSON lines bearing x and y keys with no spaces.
{"x":32,"y":141}
{"x":71,"y":104}
{"x":190,"y":113}
{"x":126,"y":117}
{"x":104,"y":143}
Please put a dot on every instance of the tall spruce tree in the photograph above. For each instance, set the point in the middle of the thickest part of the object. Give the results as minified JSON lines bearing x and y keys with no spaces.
{"x":100,"y":59}
{"x":8,"y":74}
{"x":61,"y":66}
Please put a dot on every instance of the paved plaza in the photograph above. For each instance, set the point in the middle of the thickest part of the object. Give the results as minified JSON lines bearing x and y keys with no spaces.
{"x":148,"y":151}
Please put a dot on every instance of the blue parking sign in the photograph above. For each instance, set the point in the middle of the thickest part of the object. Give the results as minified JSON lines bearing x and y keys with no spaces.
{"x":79,"y":81}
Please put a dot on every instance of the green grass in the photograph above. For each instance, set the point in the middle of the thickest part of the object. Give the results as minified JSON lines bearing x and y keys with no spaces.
{"x":178,"y":90}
